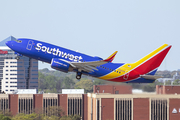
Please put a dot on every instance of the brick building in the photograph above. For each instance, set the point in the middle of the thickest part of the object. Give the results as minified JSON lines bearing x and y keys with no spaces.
{"x":168,"y":89}
{"x":99,"y":106}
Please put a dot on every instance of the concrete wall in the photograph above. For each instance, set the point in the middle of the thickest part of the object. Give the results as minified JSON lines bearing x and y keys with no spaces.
{"x":119,"y":89}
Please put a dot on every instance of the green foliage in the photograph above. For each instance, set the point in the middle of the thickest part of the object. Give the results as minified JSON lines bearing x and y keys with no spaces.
{"x":76,"y":117}
{"x":68,"y":83}
{"x":53,"y":81}
{"x":98,"y":82}
{"x":3,"y":117}
{"x":176,"y":82}
{"x":87,"y":85}
{"x":55,"y":111}
{"x":6,"y":118}
{"x":165,"y":74}
{"x":22,"y":116}
{"x":71,"y":117}
{"x":149,"y":87}
{"x":168,"y":82}
{"x":49,"y":83}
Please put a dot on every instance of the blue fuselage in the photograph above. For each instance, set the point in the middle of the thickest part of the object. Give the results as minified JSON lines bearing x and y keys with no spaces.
{"x":45,"y":52}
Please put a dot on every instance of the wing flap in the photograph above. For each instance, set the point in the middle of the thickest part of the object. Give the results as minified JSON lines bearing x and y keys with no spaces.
{"x":91,"y":65}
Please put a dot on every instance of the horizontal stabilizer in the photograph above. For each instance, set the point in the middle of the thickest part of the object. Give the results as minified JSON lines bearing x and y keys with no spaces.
{"x":151,"y":77}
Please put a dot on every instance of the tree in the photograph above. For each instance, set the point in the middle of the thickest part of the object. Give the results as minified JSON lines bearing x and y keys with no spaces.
{"x":149,"y":87}
{"x":168,"y":82}
{"x":176,"y":82}
{"x":71,"y":117}
{"x":55,"y":111}
{"x":87,"y":85}
{"x":98,"y":82}
{"x":3,"y":117}
{"x":68,"y":83}
{"x":22,"y":116}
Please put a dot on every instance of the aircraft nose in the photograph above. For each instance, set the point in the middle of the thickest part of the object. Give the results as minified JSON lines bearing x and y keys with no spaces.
{"x":8,"y":43}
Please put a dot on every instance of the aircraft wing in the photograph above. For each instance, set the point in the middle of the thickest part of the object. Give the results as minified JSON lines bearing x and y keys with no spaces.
{"x":91,"y":66}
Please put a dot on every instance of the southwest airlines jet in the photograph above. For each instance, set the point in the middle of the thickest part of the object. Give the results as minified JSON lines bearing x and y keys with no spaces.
{"x":66,"y":60}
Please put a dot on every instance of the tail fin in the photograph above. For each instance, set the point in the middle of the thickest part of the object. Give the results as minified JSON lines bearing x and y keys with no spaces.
{"x":153,"y":60}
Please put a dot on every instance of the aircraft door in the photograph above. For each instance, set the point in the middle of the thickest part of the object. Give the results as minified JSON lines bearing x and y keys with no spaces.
{"x":29,"y":45}
{"x":126,"y":75}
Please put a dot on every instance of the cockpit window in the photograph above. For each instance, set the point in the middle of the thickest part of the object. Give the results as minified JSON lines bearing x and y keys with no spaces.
{"x":19,"y":41}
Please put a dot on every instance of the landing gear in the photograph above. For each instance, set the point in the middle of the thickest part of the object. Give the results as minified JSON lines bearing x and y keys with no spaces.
{"x":18,"y":55}
{"x":17,"y":58}
{"x":78,"y":75}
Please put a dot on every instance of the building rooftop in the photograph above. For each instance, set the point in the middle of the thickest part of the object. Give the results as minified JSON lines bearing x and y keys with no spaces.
{"x":3,"y":43}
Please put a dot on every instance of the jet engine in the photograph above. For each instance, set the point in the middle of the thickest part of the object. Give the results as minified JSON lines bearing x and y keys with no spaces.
{"x":60,"y":65}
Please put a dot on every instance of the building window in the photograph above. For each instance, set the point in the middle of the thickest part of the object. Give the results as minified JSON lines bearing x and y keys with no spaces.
{"x":13,"y":82}
{"x":33,"y":82}
{"x":74,"y":106}
{"x":123,"y":109}
{"x":33,"y":86}
{"x":161,"y":107}
{"x":98,"y":110}
{"x":16,"y":74}
{"x":47,"y":103}
{"x":117,"y":92}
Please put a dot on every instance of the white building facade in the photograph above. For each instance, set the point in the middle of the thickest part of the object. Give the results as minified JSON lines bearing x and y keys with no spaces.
{"x":17,"y":74}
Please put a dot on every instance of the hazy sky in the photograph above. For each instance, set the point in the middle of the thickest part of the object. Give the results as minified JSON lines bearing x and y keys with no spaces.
{"x":97,"y":27}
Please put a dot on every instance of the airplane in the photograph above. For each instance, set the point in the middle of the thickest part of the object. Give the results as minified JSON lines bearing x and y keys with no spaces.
{"x":66,"y":60}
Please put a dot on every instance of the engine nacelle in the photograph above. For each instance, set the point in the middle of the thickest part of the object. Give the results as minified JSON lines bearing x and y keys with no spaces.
{"x":60,"y":65}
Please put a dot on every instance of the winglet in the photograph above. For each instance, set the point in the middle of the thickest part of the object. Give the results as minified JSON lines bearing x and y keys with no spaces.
{"x":111,"y":58}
